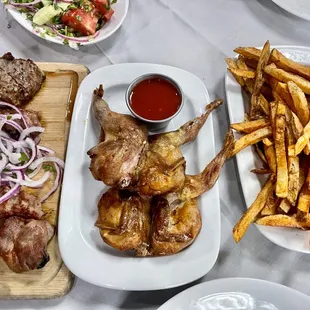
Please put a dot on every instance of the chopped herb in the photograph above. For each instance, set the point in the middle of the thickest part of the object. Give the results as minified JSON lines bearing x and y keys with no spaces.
{"x":48,"y":167}
{"x":28,"y":171}
{"x":79,"y":18}
{"x":66,"y":42}
{"x":113,"y":1}
{"x":42,"y":35}
{"x":29,"y":17}
{"x":23,"y":157}
{"x":56,"y":7}
{"x":9,"y":117}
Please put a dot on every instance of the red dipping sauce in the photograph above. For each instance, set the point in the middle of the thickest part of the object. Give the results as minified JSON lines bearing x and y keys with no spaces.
{"x":155,"y":99}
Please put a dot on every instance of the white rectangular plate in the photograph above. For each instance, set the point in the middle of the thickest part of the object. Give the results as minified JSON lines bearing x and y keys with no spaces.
{"x":82,"y":249}
{"x":247,"y":159}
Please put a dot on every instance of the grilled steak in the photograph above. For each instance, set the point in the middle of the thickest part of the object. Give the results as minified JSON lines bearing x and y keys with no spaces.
{"x":20,"y":79}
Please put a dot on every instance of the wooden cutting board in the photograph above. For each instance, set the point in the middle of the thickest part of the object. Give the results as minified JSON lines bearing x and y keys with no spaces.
{"x":55,"y":101}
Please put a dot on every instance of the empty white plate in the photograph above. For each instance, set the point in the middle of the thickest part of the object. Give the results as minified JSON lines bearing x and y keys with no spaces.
{"x":300,"y":8}
{"x":81,"y":246}
{"x":238,"y":294}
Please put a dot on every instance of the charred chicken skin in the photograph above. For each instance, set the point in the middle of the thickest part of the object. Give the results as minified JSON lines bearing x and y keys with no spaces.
{"x":164,"y":225}
{"x":23,"y":243}
{"x":123,"y":139}
{"x":162,"y":168}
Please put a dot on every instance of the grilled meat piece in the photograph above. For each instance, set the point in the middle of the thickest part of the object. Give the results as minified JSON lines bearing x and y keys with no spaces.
{"x":20,"y":79}
{"x":124,"y":220}
{"x":23,"y":205}
{"x":114,"y":160}
{"x":23,"y":243}
{"x":162,"y":169}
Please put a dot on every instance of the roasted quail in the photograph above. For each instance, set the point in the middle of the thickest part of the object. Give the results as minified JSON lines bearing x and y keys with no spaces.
{"x":115,"y":159}
{"x":162,"y":168}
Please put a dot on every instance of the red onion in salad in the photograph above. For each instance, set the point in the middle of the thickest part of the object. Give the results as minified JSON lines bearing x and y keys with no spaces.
{"x":74,"y":39}
{"x":24,"y":4}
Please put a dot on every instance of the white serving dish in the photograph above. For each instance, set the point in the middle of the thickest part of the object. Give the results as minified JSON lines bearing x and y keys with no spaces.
{"x":120,"y":8}
{"x":81,"y":246}
{"x":237,"y":294}
{"x":247,"y":159}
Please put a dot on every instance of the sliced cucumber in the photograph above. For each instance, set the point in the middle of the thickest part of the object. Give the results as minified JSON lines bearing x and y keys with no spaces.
{"x":45,"y":14}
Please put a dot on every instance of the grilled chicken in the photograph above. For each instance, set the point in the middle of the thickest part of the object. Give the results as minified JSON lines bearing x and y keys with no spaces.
{"x":124,"y":220}
{"x":164,"y":225}
{"x":176,"y":220}
{"x":124,"y":139}
{"x":23,"y":243}
{"x":23,"y":205}
{"x":20,"y":79}
{"x":162,"y":169}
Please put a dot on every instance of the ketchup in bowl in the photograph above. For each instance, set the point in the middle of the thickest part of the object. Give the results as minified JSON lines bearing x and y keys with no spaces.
{"x":155,"y":99}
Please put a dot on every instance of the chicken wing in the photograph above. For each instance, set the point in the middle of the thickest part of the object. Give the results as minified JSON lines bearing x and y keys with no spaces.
{"x":162,"y":169}
{"x":124,"y":220}
{"x":24,"y":205}
{"x":176,"y":220}
{"x":124,"y":138}
{"x":23,"y":243}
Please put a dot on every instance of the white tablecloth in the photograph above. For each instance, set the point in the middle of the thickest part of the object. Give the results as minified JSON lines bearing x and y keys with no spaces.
{"x":195,"y":35}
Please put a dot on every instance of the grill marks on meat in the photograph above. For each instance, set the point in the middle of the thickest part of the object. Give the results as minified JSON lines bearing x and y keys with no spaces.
{"x":23,"y":243}
{"x":24,"y":205}
{"x":20,"y":79}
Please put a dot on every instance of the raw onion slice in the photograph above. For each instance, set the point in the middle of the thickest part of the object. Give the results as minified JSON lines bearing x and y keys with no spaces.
{"x":13,"y":191}
{"x":26,"y":132}
{"x":16,"y":109}
{"x":42,"y":160}
{"x":56,"y":183}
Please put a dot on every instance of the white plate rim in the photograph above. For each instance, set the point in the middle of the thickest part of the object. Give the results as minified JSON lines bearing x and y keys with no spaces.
{"x":27,"y":25}
{"x":63,"y":212}
{"x":291,"y":10}
{"x":267,"y":231}
{"x":233,"y":281}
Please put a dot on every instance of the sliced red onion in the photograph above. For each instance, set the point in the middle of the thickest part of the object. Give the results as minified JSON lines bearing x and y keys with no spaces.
{"x":56,"y":183}
{"x":46,"y":149}
{"x":13,"y":191}
{"x":16,"y":109}
{"x":3,"y":162}
{"x":32,"y":145}
{"x":42,"y":160}
{"x":36,"y":170}
{"x":75,"y":39}
{"x":25,"y":4}
{"x":36,"y":183}
{"x":26,"y":132}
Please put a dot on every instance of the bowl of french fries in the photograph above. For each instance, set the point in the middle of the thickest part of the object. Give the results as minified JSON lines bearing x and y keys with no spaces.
{"x":276,"y":127}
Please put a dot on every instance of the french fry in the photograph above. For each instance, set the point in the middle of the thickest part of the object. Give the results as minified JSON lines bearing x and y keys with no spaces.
{"x":248,"y":127}
{"x":273,"y":112}
{"x":280,"y":220}
{"x":232,"y":65}
{"x":242,"y":73}
{"x":251,"y":63}
{"x":259,"y":80}
{"x":302,"y":140}
{"x":284,"y":76}
{"x":304,"y":200}
{"x":289,"y":65}
{"x":267,"y":142}
{"x":249,"y":83}
{"x":264,"y":105}
{"x":251,"y":138}
{"x":285,"y":205}
{"x":282,"y":172}
{"x":272,"y":203}
{"x":248,"y":52}
{"x":271,"y":157}
{"x":300,"y":102}
{"x":251,"y":214}
{"x":296,"y":126}
{"x":260,"y":153}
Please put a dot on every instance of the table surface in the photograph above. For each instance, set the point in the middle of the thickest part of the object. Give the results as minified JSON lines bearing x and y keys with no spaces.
{"x":195,"y":37}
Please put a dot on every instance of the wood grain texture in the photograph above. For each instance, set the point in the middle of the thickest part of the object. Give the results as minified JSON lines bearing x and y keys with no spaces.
{"x":55,"y":101}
